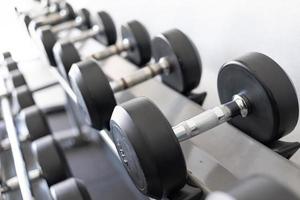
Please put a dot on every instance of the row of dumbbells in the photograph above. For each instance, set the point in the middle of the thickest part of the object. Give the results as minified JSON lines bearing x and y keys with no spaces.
{"x":32,"y":126}
{"x":256,"y":95}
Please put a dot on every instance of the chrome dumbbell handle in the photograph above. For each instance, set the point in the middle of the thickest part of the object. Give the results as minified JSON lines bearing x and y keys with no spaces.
{"x":5,"y":144}
{"x":13,"y":183}
{"x":53,"y":17}
{"x":141,"y":75}
{"x":46,"y":11}
{"x":84,"y":35}
{"x":211,"y":118}
{"x":19,"y":162}
{"x":117,"y":48}
{"x":67,"y":25}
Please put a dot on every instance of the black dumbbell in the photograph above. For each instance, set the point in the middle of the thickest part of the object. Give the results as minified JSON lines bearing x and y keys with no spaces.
{"x":135,"y":43}
{"x":101,"y":27}
{"x":71,"y":188}
{"x":257,"y":97}
{"x":53,"y":166}
{"x":5,"y":55}
{"x":177,"y":61}
{"x":31,"y":125}
{"x":27,"y":17}
{"x":258,"y":187}
{"x":65,"y":13}
{"x":21,"y":94}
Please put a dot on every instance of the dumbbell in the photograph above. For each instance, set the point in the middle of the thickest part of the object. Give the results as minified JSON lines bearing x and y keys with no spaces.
{"x":27,"y":17}
{"x":20,"y":93}
{"x":53,"y":166}
{"x":65,"y":13}
{"x":100,"y":27}
{"x":135,"y":43}
{"x":71,"y":188}
{"x":258,"y":187}
{"x":257,"y":97}
{"x":177,"y":61}
{"x":15,"y":77}
{"x":31,"y":125}
{"x":5,"y":55}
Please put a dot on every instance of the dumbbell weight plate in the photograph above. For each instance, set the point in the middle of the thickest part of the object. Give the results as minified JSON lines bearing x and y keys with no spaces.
{"x":139,"y":38}
{"x":21,"y":98}
{"x":70,"y":189}
{"x":51,"y":159}
{"x":6,"y":55}
{"x":48,"y":40}
{"x":148,"y":148}
{"x":94,"y":94}
{"x":11,"y":65}
{"x":26,"y":19}
{"x":263,"y":82}
{"x":31,"y":120}
{"x":106,"y":23}
{"x":183,"y":56}
{"x":85,"y":15}
{"x":65,"y":55}
{"x":16,"y":79}
{"x":35,"y":24}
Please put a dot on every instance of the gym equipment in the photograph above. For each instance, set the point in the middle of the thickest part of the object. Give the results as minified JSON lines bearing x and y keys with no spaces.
{"x":21,"y":94}
{"x":66,"y":13}
{"x":53,"y":166}
{"x":71,"y":188}
{"x":27,"y":17}
{"x":258,"y":187}
{"x":177,"y":61}
{"x":258,"y":98}
{"x":5,"y":55}
{"x":31,"y":125}
{"x":135,"y":43}
{"x":101,"y":27}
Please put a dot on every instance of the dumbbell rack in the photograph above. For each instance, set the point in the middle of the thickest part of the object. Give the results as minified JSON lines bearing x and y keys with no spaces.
{"x":216,"y":159}
{"x":18,"y":159}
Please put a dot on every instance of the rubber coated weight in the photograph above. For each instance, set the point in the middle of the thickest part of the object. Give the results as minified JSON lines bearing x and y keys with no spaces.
{"x":26,"y":19}
{"x":48,"y":40}
{"x":16,"y":79}
{"x":70,"y":189}
{"x":94,"y":94}
{"x":106,"y":23}
{"x":51,"y":159}
{"x":273,"y":101}
{"x":35,"y":24}
{"x":183,"y":56}
{"x":6,"y":55}
{"x":139,"y":38}
{"x":65,"y":55}
{"x":32,"y":121}
{"x":22,"y":98}
{"x":85,"y":16}
{"x":11,"y":65}
{"x":148,"y":148}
